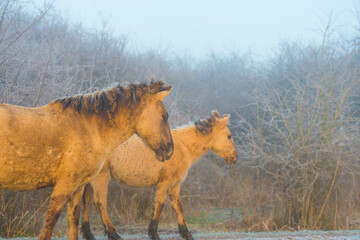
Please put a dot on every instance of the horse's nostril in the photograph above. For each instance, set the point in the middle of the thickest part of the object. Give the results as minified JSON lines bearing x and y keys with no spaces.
{"x":234,"y":157}
{"x":170,"y":153}
{"x":170,"y":147}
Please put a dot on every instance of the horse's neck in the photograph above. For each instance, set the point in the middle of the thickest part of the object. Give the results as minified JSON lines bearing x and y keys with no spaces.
{"x":194,"y":142}
{"x":122,"y":128}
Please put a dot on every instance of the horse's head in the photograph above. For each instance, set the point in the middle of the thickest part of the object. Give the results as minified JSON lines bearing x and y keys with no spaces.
{"x":142,"y":101}
{"x":152,"y":123}
{"x":221,"y":141}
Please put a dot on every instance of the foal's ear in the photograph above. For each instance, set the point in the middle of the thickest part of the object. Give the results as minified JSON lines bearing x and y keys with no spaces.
{"x":224,"y":119}
{"x":215,"y":114}
{"x":161,"y":95}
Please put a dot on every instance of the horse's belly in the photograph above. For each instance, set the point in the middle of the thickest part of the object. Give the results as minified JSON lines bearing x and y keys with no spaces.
{"x":27,"y":164}
{"x":136,"y":182}
{"x":136,"y":177}
{"x":20,"y":172}
{"x":24,"y":178}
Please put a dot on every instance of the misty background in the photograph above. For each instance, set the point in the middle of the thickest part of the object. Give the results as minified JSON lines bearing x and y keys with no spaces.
{"x":198,"y":27}
{"x":286,"y":71}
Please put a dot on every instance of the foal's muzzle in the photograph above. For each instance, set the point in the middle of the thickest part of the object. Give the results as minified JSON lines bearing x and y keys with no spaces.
{"x":232,"y":158}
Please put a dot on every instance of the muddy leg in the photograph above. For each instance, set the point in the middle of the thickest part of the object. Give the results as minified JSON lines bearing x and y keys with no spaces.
{"x":73,"y":213}
{"x":160,"y":197}
{"x":60,"y":195}
{"x":85,"y":226}
{"x":100,"y":186}
{"x":176,"y":205}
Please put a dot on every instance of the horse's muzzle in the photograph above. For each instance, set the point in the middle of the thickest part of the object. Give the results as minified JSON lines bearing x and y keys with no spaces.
{"x":165,"y":152}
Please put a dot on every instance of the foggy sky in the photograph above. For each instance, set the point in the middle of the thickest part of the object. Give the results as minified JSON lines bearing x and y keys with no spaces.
{"x":196,"y":27}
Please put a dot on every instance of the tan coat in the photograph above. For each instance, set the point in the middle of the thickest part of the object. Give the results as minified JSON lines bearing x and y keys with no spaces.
{"x":36,"y":144}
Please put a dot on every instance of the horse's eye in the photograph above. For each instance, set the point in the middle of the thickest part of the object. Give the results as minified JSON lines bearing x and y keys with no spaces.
{"x":165,"y":117}
{"x":229,"y":137}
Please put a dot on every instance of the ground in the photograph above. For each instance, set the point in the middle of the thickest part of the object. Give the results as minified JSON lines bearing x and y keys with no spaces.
{"x":301,"y":235}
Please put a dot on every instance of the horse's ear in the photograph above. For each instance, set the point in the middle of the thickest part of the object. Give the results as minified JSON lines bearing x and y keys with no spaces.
{"x":161,"y":95}
{"x":224,"y":119}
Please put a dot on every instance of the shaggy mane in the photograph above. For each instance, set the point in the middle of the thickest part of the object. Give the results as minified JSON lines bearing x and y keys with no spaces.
{"x":205,"y":126}
{"x":106,"y":103}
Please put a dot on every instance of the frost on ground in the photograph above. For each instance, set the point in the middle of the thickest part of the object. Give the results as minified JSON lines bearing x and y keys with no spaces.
{"x":302,"y":235}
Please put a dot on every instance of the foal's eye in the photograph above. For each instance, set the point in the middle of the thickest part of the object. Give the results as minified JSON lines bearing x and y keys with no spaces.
{"x":229,"y":137}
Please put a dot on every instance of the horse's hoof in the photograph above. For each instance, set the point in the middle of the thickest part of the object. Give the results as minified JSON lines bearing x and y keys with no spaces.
{"x":152,"y":230}
{"x":86,"y":232}
{"x":114,"y":236}
{"x":184,"y":232}
{"x":189,"y":237}
{"x":154,"y":237}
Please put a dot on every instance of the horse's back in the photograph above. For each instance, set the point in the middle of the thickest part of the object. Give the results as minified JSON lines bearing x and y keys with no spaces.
{"x":24,"y":125}
{"x":16,"y":116}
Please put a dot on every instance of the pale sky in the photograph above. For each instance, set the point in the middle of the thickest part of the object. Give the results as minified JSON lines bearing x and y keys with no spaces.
{"x":195,"y":27}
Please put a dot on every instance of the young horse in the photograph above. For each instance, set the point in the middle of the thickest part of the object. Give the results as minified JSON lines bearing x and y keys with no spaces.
{"x":65,"y":143}
{"x":131,"y":164}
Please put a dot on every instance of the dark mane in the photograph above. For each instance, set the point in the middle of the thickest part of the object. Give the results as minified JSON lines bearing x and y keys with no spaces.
{"x":106,"y":103}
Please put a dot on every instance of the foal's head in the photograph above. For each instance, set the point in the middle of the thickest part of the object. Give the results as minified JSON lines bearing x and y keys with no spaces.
{"x":220,"y":138}
{"x":152,"y":123}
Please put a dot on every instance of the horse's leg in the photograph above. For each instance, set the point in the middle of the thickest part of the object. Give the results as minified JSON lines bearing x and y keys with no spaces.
{"x":60,"y":195}
{"x":73,"y":213}
{"x":100,"y":186}
{"x":85,"y":226}
{"x":176,"y":205}
{"x":160,"y":197}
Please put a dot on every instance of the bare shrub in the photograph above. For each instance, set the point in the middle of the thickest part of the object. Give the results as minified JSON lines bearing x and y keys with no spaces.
{"x":302,"y":149}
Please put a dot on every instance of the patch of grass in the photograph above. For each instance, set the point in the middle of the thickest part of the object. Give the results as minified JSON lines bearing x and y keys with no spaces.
{"x":215,"y":217}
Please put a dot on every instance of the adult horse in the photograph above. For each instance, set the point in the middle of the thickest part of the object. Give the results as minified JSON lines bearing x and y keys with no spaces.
{"x":131,"y":164}
{"x":65,"y":143}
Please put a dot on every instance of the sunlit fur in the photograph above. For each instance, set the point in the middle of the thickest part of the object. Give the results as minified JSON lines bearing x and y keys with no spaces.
{"x":65,"y":143}
{"x":131,"y":164}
